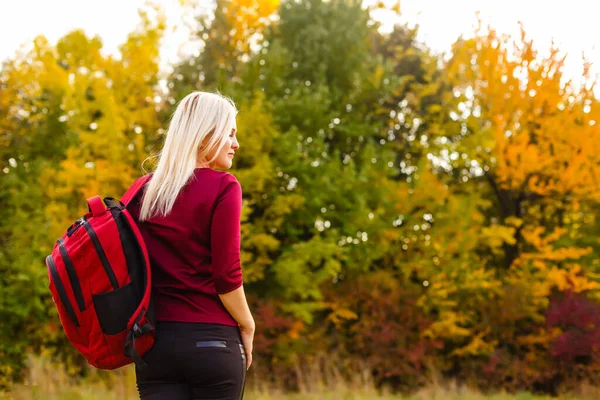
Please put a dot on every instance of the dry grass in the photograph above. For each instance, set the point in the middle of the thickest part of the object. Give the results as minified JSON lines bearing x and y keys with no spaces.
{"x":47,"y":381}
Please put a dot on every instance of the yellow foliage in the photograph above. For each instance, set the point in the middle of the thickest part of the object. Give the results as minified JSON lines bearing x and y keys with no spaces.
{"x":571,"y":279}
{"x":448,"y":326}
{"x":496,"y":236}
{"x":477,"y":346}
{"x":108,"y":108}
{"x":339,"y":315}
{"x":544,"y":337}
{"x":248,"y":18}
{"x":544,"y":248}
{"x":513,"y":221}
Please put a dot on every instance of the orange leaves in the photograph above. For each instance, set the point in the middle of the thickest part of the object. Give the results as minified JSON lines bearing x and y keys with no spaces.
{"x":542,"y":128}
{"x":296,"y":328}
{"x":571,"y":280}
{"x":248,"y":18}
{"x":537,"y":138}
{"x":339,"y":315}
{"x":536,"y":142}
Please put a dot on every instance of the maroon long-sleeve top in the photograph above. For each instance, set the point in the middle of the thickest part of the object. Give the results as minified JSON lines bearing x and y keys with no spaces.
{"x":195,"y":250}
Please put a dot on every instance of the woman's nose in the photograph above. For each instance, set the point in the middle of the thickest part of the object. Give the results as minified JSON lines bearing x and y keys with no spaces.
{"x":235,"y":144}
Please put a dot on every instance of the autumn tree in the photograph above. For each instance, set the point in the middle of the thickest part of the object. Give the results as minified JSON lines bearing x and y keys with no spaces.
{"x":522,"y":136}
{"x":74,"y":124}
{"x":400,"y":211}
{"x":229,"y":37}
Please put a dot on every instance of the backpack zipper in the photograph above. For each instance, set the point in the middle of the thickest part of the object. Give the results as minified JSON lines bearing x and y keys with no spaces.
{"x":76,"y":225}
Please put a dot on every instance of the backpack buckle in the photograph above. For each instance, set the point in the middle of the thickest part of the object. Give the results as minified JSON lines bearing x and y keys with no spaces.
{"x":137,"y":331}
{"x":141,"y":330}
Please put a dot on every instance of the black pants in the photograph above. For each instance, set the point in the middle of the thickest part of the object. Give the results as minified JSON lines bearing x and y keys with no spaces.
{"x":193,"y":361}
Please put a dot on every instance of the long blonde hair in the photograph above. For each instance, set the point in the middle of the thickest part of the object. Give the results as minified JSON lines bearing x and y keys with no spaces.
{"x":201,"y":123}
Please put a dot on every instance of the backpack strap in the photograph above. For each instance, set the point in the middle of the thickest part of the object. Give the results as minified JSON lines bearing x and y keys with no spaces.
{"x":135,"y":189}
{"x":139,"y":325}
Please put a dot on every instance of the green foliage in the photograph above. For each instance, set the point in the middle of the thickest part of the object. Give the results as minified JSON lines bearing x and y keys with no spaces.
{"x":75,"y":124}
{"x":326,"y":42}
{"x":403,"y":213}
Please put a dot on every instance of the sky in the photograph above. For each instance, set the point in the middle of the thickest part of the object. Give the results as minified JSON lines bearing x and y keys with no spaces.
{"x":569,"y":23}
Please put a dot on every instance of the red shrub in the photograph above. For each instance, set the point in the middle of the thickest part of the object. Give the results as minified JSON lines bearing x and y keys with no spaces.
{"x":579,"y":319}
{"x":386,"y":336}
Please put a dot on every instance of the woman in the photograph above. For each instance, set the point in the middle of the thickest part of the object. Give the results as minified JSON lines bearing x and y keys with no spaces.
{"x":189,"y":216}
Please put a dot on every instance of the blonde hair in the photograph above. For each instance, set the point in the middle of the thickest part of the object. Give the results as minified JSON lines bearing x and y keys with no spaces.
{"x":201,"y":123}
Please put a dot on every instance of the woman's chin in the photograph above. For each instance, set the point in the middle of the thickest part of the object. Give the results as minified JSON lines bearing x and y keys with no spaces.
{"x":225,"y":165}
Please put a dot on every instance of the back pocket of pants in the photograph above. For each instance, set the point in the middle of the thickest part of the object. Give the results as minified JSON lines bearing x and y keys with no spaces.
{"x":115,"y":308}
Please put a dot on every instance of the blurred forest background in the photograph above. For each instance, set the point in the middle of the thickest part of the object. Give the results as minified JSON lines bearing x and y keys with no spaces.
{"x":407,"y":216}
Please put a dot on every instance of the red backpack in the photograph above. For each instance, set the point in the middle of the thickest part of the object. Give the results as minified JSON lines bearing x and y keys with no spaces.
{"x":100,"y":280}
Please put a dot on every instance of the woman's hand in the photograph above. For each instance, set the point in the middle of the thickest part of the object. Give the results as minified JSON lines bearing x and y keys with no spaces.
{"x":235,"y":302}
{"x":247,"y":334}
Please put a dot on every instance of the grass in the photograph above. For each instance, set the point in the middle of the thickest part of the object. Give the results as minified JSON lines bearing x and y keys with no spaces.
{"x":47,"y":381}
